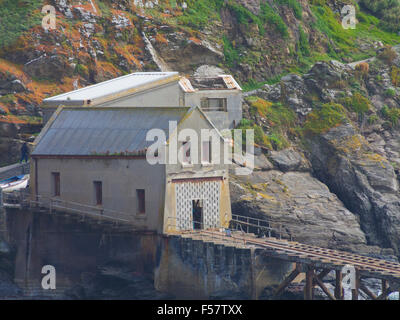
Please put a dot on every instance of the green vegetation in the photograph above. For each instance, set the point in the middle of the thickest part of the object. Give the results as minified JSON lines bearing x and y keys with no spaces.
{"x":345,"y":46}
{"x":303,"y":42}
{"x":294,"y":5}
{"x":200,"y":12}
{"x":390,"y":93}
{"x":17,"y":17}
{"x":358,"y":103}
{"x":280,"y":120}
{"x":373,"y":119}
{"x":387,"y":10}
{"x":324,"y":118}
{"x":395,"y":76}
{"x":391,"y":114}
{"x":7,"y":99}
{"x":230,"y":53}
{"x":253,"y":85}
{"x":269,"y":16}
{"x":276,"y":114}
{"x":82,"y":70}
{"x":387,"y":55}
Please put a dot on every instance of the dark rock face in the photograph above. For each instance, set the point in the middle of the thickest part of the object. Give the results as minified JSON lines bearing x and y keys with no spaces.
{"x":7,"y":256}
{"x":53,"y":67}
{"x":9,"y":84}
{"x":299,"y":206}
{"x":322,"y":81}
{"x":115,"y":282}
{"x":365,"y":181}
{"x":289,"y":160}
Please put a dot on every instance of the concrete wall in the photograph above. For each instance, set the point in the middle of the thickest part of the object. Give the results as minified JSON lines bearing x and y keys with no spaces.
{"x":47,"y":113}
{"x":168,"y":95}
{"x":171,"y":95}
{"x":76,"y":250}
{"x":192,"y":269}
{"x":14,"y":170}
{"x":120,"y":179}
{"x":197,"y":122}
{"x":222,"y":120}
{"x":163,"y":96}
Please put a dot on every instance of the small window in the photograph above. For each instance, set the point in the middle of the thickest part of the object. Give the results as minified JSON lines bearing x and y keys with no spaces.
{"x":56,"y":183}
{"x":206,"y":152}
{"x":98,"y":192}
{"x":214,"y":104}
{"x":141,"y":201}
{"x":186,"y":152}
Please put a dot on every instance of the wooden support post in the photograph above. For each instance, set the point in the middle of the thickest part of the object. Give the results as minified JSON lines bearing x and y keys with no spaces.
{"x":323,"y":273}
{"x":288,"y":280}
{"x":354,"y":292}
{"x":367,"y":291}
{"x":338,"y":285}
{"x":384,"y":289}
{"x":324,"y":288}
{"x":308,"y":289}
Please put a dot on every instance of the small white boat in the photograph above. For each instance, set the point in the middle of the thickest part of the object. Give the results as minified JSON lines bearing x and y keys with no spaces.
{"x":15,"y":183}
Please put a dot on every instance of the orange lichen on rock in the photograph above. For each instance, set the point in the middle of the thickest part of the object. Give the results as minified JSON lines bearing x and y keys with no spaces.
{"x":195,"y":40}
{"x":161,"y":39}
{"x":126,"y":52}
{"x":9,"y":67}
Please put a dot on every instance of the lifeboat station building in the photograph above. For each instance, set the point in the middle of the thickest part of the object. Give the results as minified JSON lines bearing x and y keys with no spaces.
{"x":95,"y":158}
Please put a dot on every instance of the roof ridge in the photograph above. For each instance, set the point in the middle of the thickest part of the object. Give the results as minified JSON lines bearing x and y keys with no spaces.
{"x":109,"y":81}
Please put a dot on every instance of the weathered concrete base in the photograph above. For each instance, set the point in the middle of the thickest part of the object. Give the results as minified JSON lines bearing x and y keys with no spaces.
{"x":72,"y":248}
{"x":192,"y":269}
{"x":180,"y":267}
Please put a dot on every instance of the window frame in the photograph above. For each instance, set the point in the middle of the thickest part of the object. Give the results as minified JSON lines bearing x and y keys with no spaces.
{"x":208,"y":145}
{"x":56,"y":184}
{"x":223,"y":104}
{"x":141,"y":201}
{"x":98,"y":192}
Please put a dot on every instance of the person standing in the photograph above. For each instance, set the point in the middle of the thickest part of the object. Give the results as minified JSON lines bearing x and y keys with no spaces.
{"x":24,"y":153}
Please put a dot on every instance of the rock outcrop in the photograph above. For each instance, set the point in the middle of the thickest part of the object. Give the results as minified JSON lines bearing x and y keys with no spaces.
{"x":365,"y":181}
{"x":299,"y":206}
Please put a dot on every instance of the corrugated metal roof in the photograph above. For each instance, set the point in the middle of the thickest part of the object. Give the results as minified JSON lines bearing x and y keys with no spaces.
{"x":186,"y":85}
{"x":230,"y":82}
{"x":101,"y":131}
{"x":113,"y":86}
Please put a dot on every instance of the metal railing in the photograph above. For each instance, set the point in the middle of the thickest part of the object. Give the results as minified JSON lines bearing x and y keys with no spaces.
{"x":245,"y":224}
{"x":24,"y":199}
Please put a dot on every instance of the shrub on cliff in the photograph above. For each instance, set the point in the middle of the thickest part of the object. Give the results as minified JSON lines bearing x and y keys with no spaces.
{"x":358,"y":103}
{"x":329,"y":115}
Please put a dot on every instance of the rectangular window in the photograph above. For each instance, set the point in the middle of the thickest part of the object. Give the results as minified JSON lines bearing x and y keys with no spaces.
{"x":141,"y":201}
{"x":186,"y":152}
{"x":206,"y":152}
{"x":98,"y":192}
{"x":56,"y":183}
{"x":214,"y":104}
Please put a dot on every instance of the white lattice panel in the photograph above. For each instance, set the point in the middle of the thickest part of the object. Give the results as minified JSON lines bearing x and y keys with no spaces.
{"x":208,"y":191}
